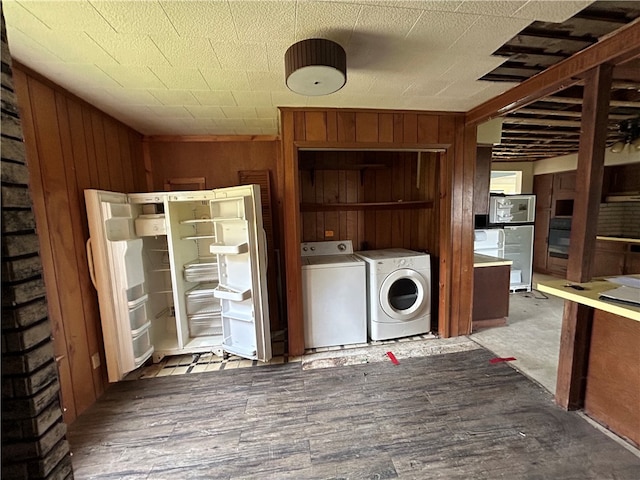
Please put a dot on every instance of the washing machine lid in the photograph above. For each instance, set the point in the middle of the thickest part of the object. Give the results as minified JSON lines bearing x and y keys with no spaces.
{"x":332,"y":261}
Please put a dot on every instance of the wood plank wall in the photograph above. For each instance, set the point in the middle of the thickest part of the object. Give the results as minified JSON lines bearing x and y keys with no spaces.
{"x":315,"y":129}
{"x":356,"y":177}
{"x":72,"y":146}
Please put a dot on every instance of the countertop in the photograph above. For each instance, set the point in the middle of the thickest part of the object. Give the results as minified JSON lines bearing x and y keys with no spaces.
{"x":590,"y":296}
{"x":480,"y":260}
{"x":619,"y":239}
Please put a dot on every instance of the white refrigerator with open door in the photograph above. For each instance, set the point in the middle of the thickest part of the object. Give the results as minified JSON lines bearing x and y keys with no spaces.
{"x":179,"y":272}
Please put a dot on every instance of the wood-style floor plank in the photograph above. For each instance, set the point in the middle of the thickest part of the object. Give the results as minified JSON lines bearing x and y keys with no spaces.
{"x":453,"y":416}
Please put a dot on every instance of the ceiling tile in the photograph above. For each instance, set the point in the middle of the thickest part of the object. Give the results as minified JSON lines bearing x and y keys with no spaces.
{"x":288,"y":99}
{"x":437,"y":5}
{"x":240,"y":112}
{"x":383,"y":24}
{"x":173,"y":97}
{"x":148,"y":17}
{"x":78,"y":74}
{"x":560,"y":11}
{"x":75,"y":47}
{"x":205,"y":111}
{"x":202,"y":19}
{"x":133,"y":96}
{"x":226,"y":79}
{"x":333,"y":21}
{"x":260,"y":122}
{"x":267,"y":80}
{"x":266,"y":112}
{"x":488,"y":34}
{"x":426,"y":87}
{"x":464,"y":88}
{"x":501,"y":8}
{"x":74,"y":16}
{"x":230,"y":122}
{"x":264,"y":21}
{"x":131,"y":76}
{"x":472,"y":67}
{"x":440,"y":29}
{"x":186,"y":51}
{"x":249,"y":98}
{"x":22,"y":18}
{"x":178,"y":78}
{"x":214,"y":97}
{"x":130,"y":49}
{"x":242,"y":56}
{"x":28,"y":50}
{"x":173,"y":111}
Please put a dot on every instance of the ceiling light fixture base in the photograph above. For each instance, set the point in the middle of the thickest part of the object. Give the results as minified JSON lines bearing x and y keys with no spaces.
{"x":315,"y":67}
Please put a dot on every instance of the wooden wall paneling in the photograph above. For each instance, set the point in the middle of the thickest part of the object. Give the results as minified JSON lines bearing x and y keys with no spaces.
{"x":428,"y":130}
{"x":384,"y":226}
{"x":127,"y":162}
{"x":319,"y":189}
{"x":410,"y":128}
{"x":291,"y":212}
{"x":366,"y":127}
{"x":104,"y":172}
{"x":346,"y":126}
{"x":300,"y":128}
{"x":331,"y":194}
{"x":332,"y":126}
{"x":141,"y":180}
{"x":63,"y":252}
{"x":342,"y":214}
{"x":369,"y":195}
{"x":385,"y":127}
{"x":75,"y":241}
{"x":92,"y":158}
{"x":354,"y":219}
{"x":397,"y":193}
{"x":23,"y":92}
{"x":315,"y":126}
{"x":111,"y":140}
{"x":398,"y":128}
{"x":308,"y":195}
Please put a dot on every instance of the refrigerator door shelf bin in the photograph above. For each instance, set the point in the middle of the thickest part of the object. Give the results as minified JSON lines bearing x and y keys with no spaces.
{"x":142,"y":328}
{"x":222,"y":249}
{"x":196,"y":220}
{"x":137,"y":302}
{"x":238,"y":315}
{"x":228,"y":293}
{"x":142,"y":348}
{"x":138,"y":317}
{"x":201,"y":270}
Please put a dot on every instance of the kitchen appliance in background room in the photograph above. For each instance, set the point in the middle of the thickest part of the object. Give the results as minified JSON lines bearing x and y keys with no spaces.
{"x":514,"y":215}
{"x":179,"y":272}
{"x":334,"y":294}
{"x":399,"y":292}
{"x":489,"y":241}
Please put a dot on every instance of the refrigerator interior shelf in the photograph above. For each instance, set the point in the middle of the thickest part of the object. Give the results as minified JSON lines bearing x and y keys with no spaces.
{"x":163,"y":292}
{"x":204,"y":289}
{"x":166,"y":312}
{"x":162,"y":269}
{"x":196,"y":220}
{"x":228,"y":293}
{"x":222,"y":249}
{"x":197,"y":237}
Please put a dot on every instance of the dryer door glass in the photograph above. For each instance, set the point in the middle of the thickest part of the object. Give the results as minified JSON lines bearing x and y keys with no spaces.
{"x":403,"y":294}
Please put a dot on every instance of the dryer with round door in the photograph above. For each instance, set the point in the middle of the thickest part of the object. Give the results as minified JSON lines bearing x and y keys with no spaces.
{"x":398,"y":292}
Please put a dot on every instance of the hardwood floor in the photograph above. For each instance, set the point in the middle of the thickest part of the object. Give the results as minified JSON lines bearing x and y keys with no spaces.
{"x":453,"y":416}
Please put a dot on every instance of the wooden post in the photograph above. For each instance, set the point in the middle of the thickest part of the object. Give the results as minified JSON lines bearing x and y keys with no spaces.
{"x":577,"y":319}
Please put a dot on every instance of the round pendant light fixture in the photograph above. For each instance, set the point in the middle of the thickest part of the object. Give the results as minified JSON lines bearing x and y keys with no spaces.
{"x":315,"y":67}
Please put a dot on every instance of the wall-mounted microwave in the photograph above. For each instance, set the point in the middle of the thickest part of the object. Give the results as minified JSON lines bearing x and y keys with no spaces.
{"x":512,"y":209}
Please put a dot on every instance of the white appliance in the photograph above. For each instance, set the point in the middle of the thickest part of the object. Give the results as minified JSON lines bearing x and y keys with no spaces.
{"x":398,"y":292}
{"x":512,"y":209}
{"x":179,"y":272}
{"x":513,"y":242}
{"x":334,"y":294}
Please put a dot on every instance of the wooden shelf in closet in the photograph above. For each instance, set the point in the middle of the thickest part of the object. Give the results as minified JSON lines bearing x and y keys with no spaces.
{"x":400,"y":205}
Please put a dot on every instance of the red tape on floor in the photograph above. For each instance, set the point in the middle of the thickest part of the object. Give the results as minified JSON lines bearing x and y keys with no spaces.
{"x":499,"y":359}
{"x":393,"y":358}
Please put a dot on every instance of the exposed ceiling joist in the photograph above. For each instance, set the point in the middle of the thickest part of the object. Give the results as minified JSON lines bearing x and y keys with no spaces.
{"x":578,"y":101}
{"x":566,"y":113}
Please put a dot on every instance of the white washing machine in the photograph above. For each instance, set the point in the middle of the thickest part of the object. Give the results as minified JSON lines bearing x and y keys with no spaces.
{"x":334,"y":294}
{"x":398,"y":292}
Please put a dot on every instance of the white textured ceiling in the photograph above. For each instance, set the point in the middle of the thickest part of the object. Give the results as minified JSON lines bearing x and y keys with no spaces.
{"x":217,"y":67}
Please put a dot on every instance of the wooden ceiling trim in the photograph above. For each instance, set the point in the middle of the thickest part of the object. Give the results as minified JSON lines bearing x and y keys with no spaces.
{"x":617,"y":47}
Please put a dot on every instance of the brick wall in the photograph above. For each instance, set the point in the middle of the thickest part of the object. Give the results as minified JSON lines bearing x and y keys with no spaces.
{"x":33,"y":433}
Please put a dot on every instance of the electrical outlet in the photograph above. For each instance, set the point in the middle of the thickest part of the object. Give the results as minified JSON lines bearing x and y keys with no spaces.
{"x":95,"y":360}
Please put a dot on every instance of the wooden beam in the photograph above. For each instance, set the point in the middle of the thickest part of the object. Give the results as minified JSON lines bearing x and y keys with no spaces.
{"x":541,"y":121}
{"x":577,"y":319}
{"x":567,"y":113}
{"x":620,"y":46}
{"x":211,"y":138}
{"x":578,"y":101}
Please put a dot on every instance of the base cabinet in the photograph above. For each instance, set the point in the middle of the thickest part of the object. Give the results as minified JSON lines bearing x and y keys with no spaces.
{"x":613,"y":379}
{"x":490,"y":296}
